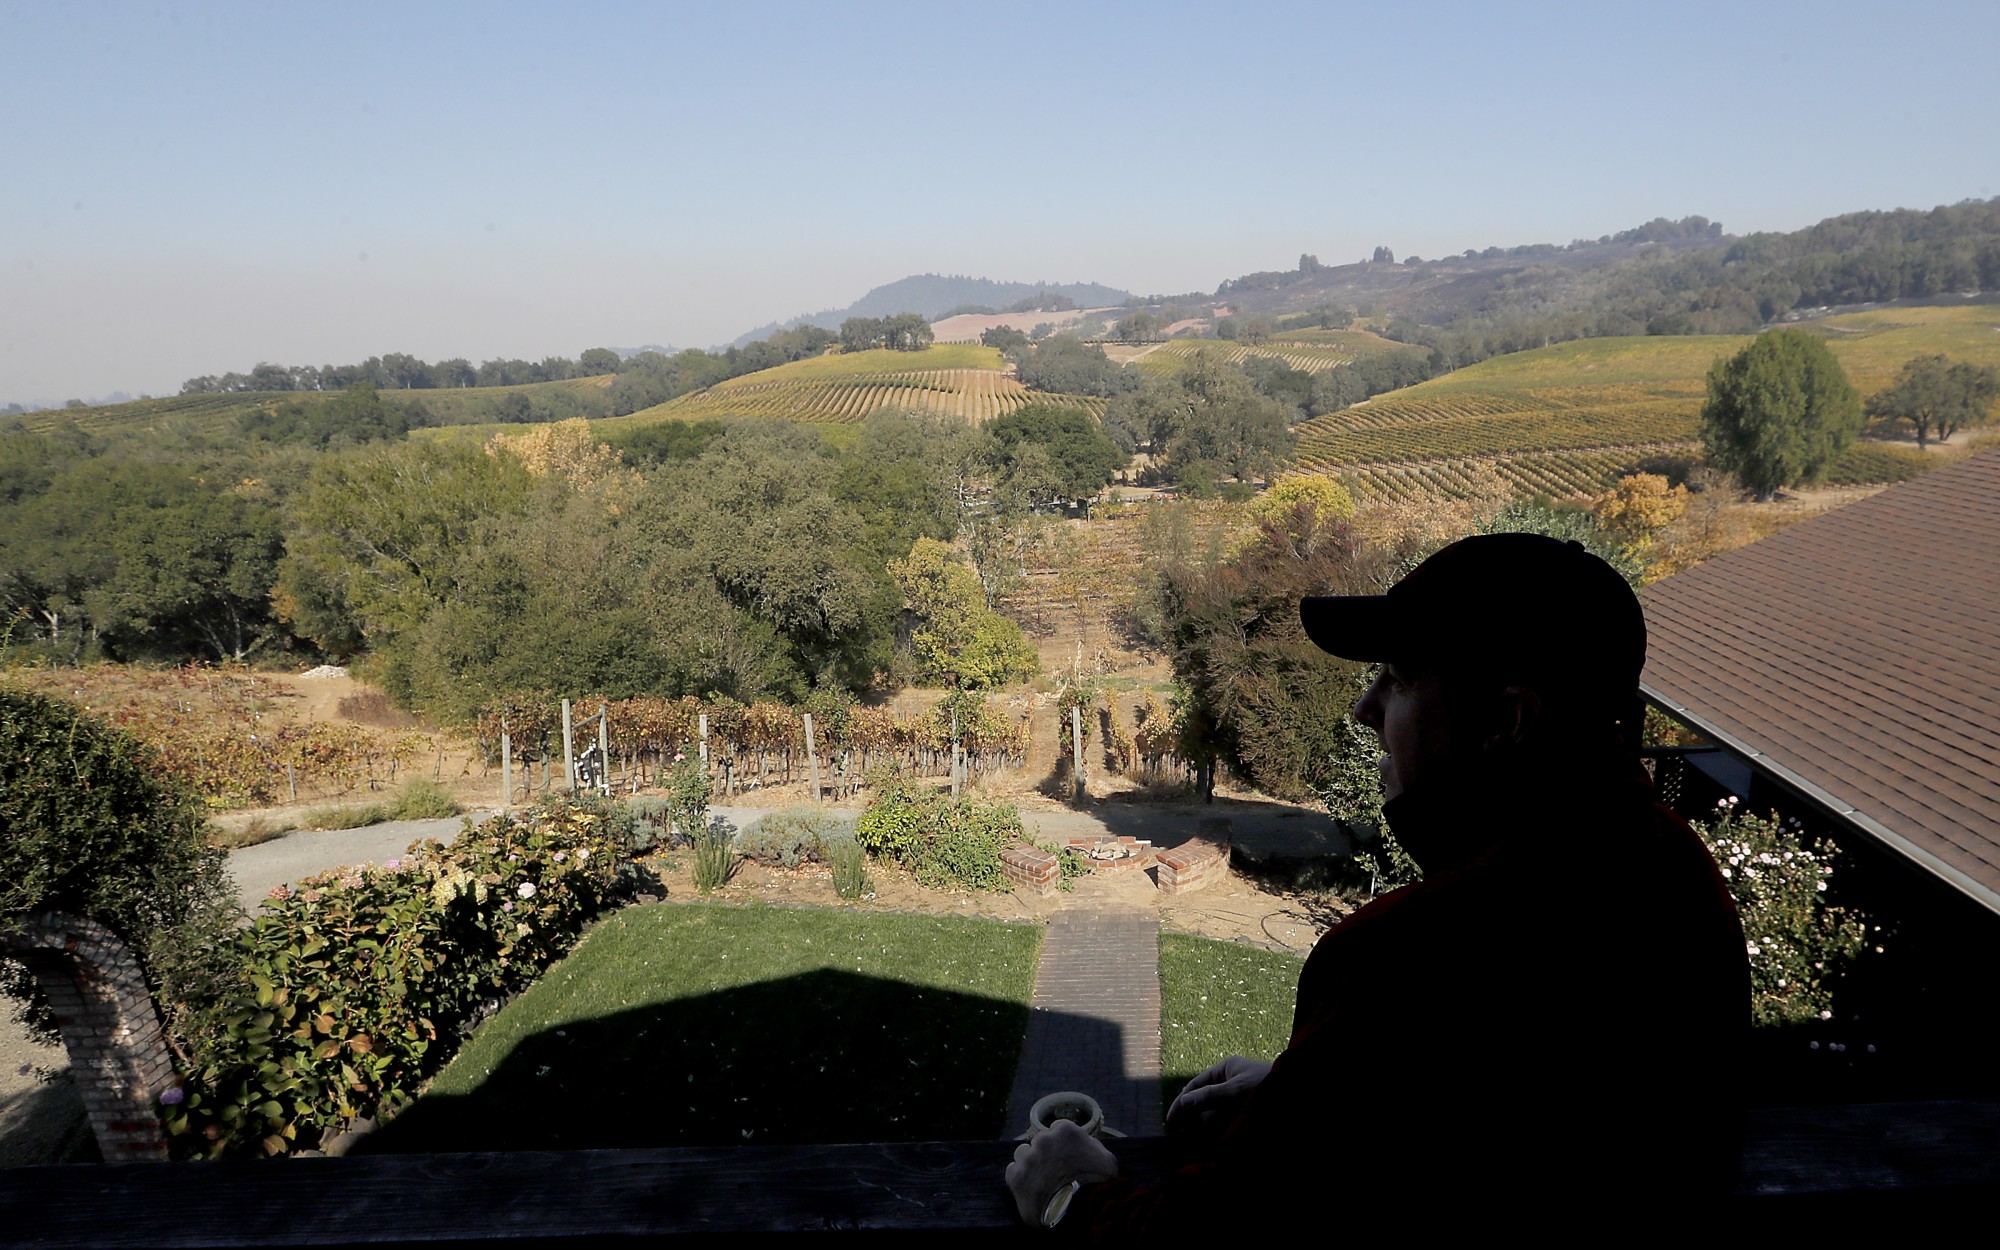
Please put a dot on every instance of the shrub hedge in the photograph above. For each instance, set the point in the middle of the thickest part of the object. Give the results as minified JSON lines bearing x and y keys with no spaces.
{"x":354,"y":985}
{"x":90,"y":825}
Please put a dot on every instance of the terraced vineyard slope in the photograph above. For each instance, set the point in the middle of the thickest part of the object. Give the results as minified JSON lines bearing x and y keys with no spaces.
{"x":1566,"y":420}
{"x":958,"y":380}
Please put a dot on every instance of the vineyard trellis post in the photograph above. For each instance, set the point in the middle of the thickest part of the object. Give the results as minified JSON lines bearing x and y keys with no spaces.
{"x":812,"y":757}
{"x":604,"y":747}
{"x":957,"y":755}
{"x":569,"y":751}
{"x":1076,"y":747}
{"x":506,"y":766}
{"x":702,"y":722}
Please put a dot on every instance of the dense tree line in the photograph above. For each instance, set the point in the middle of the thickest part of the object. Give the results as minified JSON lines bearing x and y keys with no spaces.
{"x":127,"y":553}
{"x":403,"y":372}
{"x":903,"y":332}
{"x":748,"y":559}
{"x":1718,"y":286}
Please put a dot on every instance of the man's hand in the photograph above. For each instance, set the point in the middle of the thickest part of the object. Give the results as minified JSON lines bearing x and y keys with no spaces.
{"x":1063,"y":1154}
{"x":1215,"y":1094}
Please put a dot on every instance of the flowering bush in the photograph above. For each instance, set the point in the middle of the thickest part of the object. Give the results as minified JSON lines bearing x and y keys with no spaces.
{"x":1797,"y":943}
{"x":355,"y":983}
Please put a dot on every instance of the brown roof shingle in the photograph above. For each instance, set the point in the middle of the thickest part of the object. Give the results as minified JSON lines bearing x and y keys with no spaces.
{"x":1856,"y":656}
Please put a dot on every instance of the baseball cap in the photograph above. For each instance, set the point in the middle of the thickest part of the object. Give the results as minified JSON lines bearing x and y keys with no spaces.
{"x":1512,"y":606}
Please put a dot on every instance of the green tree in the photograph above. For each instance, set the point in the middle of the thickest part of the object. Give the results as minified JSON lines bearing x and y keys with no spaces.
{"x":374,"y":538}
{"x":1257,"y":694}
{"x":1779,"y":413}
{"x":597,"y":360}
{"x":1140,"y":325}
{"x":1083,"y":457}
{"x":1935,"y":395}
{"x":958,"y":639}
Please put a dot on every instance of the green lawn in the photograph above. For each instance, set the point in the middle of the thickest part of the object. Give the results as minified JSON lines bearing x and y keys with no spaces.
{"x":709,"y":1024}
{"x":1219,"y":999}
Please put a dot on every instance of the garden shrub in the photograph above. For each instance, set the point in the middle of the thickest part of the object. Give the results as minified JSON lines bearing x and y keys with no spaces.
{"x":688,"y":789}
{"x":850,"y":870}
{"x":423,"y":800}
{"x":354,"y":985}
{"x":714,"y":854}
{"x":796,"y":835}
{"x":946,"y":843}
{"x":90,"y":825}
{"x":1798,"y":944}
{"x":344,"y":816}
{"x":962,"y":843}
{"x":418,"y":800}
{"x":639,"y":824}
{"x":894,"y":820}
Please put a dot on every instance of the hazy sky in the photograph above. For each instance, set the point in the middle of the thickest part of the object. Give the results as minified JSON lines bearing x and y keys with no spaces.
{"x":194,"y":188}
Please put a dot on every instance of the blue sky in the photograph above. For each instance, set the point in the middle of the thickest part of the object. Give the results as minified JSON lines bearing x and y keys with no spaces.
{"x":191,"y":189}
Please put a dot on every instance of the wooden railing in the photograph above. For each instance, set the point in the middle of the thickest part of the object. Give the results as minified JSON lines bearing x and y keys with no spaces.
{"x":1801,"y":1167}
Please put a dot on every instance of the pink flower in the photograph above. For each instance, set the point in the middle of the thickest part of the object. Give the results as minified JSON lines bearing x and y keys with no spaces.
{"x":393,"y":865}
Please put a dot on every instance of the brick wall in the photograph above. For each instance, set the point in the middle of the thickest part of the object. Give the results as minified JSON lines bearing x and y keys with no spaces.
{"x":117,"y":1052}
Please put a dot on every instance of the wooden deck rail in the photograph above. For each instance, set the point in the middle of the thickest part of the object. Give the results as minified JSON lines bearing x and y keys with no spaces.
{"x":1915,"y":1157}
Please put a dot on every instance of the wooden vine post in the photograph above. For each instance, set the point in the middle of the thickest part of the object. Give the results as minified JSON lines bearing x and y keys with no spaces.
{"x":702,"y":721}
{"x":1076,"y":747}
{"x":506,"y":767}
{"x":604,"y":749}
{"x":957,"y":756}
{"x":569,"y":751}
{"x":812,"y":757}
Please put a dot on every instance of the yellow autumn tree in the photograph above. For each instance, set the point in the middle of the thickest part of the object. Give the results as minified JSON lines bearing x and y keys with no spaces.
{"x":1329,"y":498}
{"x":565,"y":449}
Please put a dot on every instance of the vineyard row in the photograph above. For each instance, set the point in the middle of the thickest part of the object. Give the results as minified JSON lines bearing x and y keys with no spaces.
{"x":1329,"y":448}
{"x":1560,"y":474}
{"x":973,"y":395}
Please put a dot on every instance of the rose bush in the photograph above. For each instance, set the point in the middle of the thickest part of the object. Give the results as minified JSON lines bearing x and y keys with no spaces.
{"x":1796,"y":941}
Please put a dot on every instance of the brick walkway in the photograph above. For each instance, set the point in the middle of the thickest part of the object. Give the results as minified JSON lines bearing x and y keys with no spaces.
{"x":1095,"y":1026}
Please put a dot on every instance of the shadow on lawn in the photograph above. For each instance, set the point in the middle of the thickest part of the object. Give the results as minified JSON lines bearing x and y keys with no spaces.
{"x":823,"y":1056}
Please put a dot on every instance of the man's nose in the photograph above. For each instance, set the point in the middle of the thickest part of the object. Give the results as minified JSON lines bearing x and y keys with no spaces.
{"x":1368,"y":709}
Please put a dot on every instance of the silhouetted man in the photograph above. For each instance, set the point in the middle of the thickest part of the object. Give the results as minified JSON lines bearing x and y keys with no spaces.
{"x":1550,"y":1021}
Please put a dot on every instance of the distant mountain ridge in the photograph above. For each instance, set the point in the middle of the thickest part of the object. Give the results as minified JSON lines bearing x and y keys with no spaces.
{"x":931,"y":295}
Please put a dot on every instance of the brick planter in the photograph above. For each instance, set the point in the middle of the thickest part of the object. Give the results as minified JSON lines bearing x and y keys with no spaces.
{"x":1200,"y":861}
{"x":1030,"y":870}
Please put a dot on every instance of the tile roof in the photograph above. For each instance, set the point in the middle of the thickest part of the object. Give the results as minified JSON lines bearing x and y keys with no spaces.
{"x":1856,"y":657}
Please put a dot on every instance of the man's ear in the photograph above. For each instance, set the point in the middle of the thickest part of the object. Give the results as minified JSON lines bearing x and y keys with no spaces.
{"x":1517,"y":715}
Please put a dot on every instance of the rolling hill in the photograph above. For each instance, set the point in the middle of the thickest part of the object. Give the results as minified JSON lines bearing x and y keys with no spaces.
{"x":956,"y":379}
{"x":931,"y":295}
{"x":1567,"y":419}
{"x":1325,"y":350}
